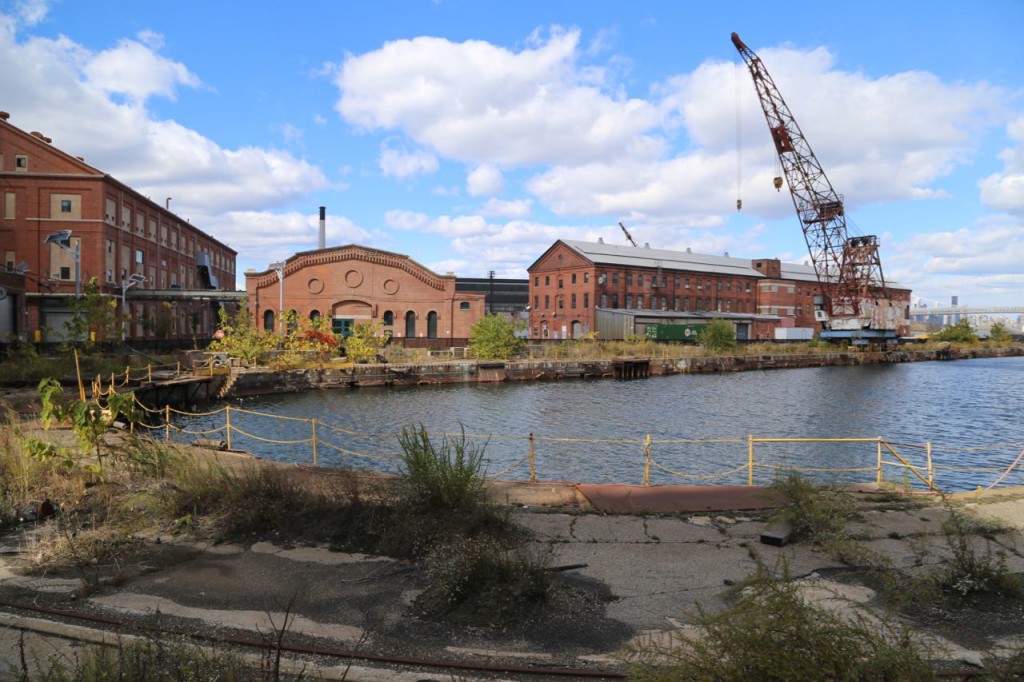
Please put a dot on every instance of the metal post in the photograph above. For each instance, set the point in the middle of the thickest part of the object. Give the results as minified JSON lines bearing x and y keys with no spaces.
{"x":750,"y":460}
{"x":278,"y":267}
{"x":533,"y":471}
{"x":167,"y":423}
{"x":227,"y":426}
{"x":878,"y":473}
{"x":315,"y":463}
{"x":647,"y":460}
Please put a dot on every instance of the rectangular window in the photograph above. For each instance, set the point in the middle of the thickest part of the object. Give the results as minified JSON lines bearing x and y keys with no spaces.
{"x":9,"y":205}
{"x":615,"y":279}
{"x":21,"y":163}
{"x":140,"y":256}
{"x":547,"y":302}
{"x":629,"y":301}
{"x":615,"y":300}
{"x":687,"y":282}
{"x":536,"y":280}
{"x":640,"y":301}
{"x":65,"y":272}
{"x":561,"y":283}
{"x":547,"y":280}
{"x":65,"y":205}
{"x":586,"y":300}
{"x":536,"y":302}
{"x":572,"y":302}
{"x":561,"y":301}
{"x":677,"y":283}
{"x":586,"y":277}
{"x":629,"y":281}
{"x":675,"y":303}
{"x":574,"y":278}
{"x":604,"y":300}
{"x":640,"y":280}
{"x":699,"y":284}
{"x":10,"y":259}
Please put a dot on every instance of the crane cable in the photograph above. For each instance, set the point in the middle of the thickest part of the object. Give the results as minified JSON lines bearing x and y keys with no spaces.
{"x":739,"y":142}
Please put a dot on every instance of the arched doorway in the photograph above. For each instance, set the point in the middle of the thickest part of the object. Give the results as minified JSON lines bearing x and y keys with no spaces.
{"x":268,"y":320}
{"x":432,"y":325}
{"x":410,"y":325}
{"x":577,"y":329}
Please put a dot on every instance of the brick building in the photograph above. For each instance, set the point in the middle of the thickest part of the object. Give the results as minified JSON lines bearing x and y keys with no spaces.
{"x":573,"y":279}
{"x":116,"y":233}
{"x":352,"y":284}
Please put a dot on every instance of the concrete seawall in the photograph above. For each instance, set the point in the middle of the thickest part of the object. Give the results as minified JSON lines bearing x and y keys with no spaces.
{"x":251,"y":382}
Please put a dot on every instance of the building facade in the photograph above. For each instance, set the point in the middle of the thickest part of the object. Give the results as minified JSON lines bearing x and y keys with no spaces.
{"x":572,"y":280}
{"x":64,"y":222}
{"x":353,"y":284}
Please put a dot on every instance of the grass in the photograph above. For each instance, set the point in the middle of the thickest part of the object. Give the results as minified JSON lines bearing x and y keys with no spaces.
{"x":772,"y":633}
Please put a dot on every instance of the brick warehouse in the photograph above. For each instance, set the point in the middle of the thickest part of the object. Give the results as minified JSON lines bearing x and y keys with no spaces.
{"x":572,"y":280}
{"x":120,"y":236}
{"x":352,"y":284}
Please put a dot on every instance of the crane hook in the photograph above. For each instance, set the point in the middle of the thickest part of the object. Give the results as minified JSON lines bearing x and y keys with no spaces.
{"x":778,"y":183}
{"x":739,"y":204}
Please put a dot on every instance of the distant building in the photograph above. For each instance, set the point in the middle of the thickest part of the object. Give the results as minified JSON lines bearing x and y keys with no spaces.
{"x":503,"y":296}
{"x":573,"y":280}
{"x":352,"y":284}
{"x":117,"y":234}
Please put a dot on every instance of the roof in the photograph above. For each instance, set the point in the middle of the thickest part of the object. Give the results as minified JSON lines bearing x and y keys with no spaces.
{"x":689,"y":314}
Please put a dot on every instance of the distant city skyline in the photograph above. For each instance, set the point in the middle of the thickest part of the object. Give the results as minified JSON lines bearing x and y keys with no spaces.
{"x":472,"y":136}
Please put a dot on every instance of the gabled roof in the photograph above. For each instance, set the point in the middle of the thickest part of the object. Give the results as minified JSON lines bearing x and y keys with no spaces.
{"x":644,"y":257}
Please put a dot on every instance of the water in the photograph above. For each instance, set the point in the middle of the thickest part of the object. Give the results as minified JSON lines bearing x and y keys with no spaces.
{"x":970,"y":411}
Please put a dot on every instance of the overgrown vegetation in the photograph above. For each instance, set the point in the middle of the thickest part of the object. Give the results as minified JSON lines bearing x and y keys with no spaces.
{"x":365,"y":342}
{"x":719,"y":336}
{"x":773,"y":633}
{"x":961,"y":332}
{"x":493,"y":337}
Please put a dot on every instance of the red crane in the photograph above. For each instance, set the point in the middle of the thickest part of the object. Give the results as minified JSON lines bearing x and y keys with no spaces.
{"x":856,"y":304}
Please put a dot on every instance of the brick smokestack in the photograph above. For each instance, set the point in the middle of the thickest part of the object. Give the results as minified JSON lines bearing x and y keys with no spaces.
{"x":323,"y":227}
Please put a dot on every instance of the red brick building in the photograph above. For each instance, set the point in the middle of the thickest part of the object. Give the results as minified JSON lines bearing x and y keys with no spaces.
{"x":116,"y":232}
{"x":572,"y":280}
{"x":352,"y":284}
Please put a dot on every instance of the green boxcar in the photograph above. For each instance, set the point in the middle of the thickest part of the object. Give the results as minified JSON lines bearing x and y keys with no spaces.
{"x":674,"y":332}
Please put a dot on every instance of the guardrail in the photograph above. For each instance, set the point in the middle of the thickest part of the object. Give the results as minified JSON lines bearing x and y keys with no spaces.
{"x":742,"y":459}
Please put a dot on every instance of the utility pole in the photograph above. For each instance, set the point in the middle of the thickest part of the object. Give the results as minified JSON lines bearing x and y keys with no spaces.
{"x":490,"y":295}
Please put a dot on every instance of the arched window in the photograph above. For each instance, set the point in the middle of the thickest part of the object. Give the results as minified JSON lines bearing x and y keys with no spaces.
{"x":410,"y":325}
{"x":293,"y":321}
{"x":314,"y":315}
{"x":268,"y":320}
{"x":389,"y":318}
{"x":431,"y":325}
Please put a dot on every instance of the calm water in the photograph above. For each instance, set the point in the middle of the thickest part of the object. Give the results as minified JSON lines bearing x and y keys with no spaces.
{"x":970,"y":411}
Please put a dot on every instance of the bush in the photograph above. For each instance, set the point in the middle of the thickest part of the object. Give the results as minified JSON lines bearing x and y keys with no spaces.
{"x":445,"y":478}
{"x":816,"y":513}
{"x":718,"y":336}
{"x":772,"y":633}
{"x":492,"y":337}
{"x":961,"y":332}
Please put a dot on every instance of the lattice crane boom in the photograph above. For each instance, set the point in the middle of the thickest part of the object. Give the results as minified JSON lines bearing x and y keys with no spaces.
{"x":849,"y":270}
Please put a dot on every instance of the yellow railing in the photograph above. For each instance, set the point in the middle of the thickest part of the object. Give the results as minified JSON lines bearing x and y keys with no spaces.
{"x":881,"y":456}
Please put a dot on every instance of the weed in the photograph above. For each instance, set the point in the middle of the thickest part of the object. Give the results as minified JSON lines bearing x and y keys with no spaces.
{"x":971,"y":570}
{"x":817,"y":512}
{"x":445,"y":478}
{"x":772,"y":633}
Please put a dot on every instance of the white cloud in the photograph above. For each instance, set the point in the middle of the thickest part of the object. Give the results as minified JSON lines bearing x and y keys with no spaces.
{"x":1004,"y":191}
{"x":31,"y":12}
{"x":477,"y":102}
{"x":518,"y":208}
{"x":69,"y":93}
{"x":406,"y":220}
{"x":485,"y":180}
{"x":401,"y":164}
{"x":137,"y":71}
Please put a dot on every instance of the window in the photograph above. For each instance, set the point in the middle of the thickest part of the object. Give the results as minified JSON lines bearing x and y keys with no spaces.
{"x":675,"y":303}
{"x":9,"y":259}
{"x":561,"y":302}
{"x":572,"y":302}
{"x":640,"y":301}
{"x":615,"y":278}
{"x":586,"y":300}
{"x":687,"y":282}
{"x":547,"y":280}
{"x":21,"y":163}
{"x":432,"y":325}
{"x":640,"y":280}
{"x":314,"y":315}
{"x":561,"y":283}
{"x":464,"y":305}
{"x":629,"y":301}
{"x":677,"y":282}
{"x":10,"y":201}
{"x":700,"y":284}
{"x":547,"y":301}
{"x":574,"y":278}
{"x":410,"y":324}
{"x":536,"y":280}
{"x":728,"y":286}
{"x":719,"y":285}
{"x":629,"y":281}
{"x":615,"y":300}
{"x":140,"y":256}
{"x":65,"y":205}
{"x":389,"y":318}
{"x":604,"y":300}
{"x":586,"y":277}
{"x":536,"y":302}
{"x":748,"y":287}
{"x":65,"y":272}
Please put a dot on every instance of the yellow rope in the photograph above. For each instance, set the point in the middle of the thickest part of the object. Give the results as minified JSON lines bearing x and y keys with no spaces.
{"x":354,"y":453}
{"x":514,"y":466}
{"x":723,"y":474}
{"x":816,"y":469}
{"x":272,"y":416}
{"x":269,"y":440}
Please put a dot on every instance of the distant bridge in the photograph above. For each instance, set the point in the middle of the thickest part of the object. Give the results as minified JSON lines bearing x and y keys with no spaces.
{"x":968,"y":310}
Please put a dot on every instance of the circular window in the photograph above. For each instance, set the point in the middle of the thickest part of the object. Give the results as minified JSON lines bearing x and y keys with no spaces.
{"x":353,"y":278}
{"x":315,"y":286}
{"x":390,"y":286}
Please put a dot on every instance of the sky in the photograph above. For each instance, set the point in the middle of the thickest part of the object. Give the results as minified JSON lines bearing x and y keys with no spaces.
{"x":471,"y":135}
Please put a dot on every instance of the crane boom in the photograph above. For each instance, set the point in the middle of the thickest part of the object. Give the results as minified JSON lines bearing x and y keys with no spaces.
{"x":848,"y":269}
{"x":628,"y":235}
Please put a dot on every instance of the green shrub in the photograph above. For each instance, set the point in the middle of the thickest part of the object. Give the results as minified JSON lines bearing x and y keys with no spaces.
{"x":449,"y":477}
{"x":718,"y":336}
{"x":772,"y":633}
{"x":493,"y":337}
{"x":816,"y":512}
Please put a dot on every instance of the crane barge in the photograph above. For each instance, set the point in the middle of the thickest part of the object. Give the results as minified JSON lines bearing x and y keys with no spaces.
{"x":855,"y":304}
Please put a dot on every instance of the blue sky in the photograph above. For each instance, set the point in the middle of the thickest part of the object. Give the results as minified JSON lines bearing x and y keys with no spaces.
{"x":472,"y":135}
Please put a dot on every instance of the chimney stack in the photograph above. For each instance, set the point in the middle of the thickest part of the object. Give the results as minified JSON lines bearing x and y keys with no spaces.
{"x":323,"y":227}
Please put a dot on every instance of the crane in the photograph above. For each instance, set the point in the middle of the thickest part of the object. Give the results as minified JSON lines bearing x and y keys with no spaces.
{"x":628,"y":235}
{"x":855,"y":304}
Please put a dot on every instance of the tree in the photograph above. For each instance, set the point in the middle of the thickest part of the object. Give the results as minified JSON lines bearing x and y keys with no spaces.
{"x":365,"y":342}
{"x":718,"y":336}
{"x":239,"y":337}
{"x":998,"y":333}
{"x":961,"y":332}
{"x":493,"y":337}
{"x":313,"y":334}
{"x":93,"y":316}
{"x":161,"y":323}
